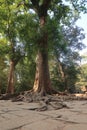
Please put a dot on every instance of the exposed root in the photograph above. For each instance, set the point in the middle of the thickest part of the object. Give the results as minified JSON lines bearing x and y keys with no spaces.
{"x":45,"y":102}
{"x":18,"y":98}
{"x":58,"y":105}
{"x":43,"y":106}
{"x":7,"y":96}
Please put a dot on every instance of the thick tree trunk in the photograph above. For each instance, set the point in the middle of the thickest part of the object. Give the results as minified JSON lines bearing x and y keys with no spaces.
{"x":10,"y":87}
{"x":42,"y":82}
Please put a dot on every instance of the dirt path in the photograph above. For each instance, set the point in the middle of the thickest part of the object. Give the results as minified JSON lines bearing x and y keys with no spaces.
{"x":18,"y":116}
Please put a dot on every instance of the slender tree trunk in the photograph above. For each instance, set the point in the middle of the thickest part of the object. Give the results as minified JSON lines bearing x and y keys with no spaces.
{"x":61,"y":70}
{"x":63,"y":76}
{"x":0,"y":87}
{"x":10,"y":87}
{"x":42,"y":83}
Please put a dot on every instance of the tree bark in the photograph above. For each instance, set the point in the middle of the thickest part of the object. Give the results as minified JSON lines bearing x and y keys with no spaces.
{"x":42,"y":83}
{"x":10,"y":87}
{"x":63,"y":75}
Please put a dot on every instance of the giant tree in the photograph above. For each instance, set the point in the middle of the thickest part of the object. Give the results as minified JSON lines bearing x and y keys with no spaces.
{"x":42,"y":83}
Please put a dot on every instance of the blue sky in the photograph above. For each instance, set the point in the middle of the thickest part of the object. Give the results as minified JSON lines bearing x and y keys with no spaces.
{"x":82,"y":22}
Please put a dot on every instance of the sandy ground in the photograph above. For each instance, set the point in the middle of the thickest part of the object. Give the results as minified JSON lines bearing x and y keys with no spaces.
{"x":17,"y":116}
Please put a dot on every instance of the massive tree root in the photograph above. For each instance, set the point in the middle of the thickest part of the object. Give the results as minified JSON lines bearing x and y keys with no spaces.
{"x":47,"y":102}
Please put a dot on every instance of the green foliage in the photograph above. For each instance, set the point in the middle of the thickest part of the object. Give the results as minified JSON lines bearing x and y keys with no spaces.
{"x":79,"y":5}
{"x":82,"y":77}
{"x":20,"y":33}
{"x":25,"y":71}
{"x":3,"y":74}
{"x":66,"y":41}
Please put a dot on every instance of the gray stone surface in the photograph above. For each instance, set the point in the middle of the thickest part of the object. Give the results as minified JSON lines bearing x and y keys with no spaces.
{"x":17,"y":116}
{"x":76,"y":127}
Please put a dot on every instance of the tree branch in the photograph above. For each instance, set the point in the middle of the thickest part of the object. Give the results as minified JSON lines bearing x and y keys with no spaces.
{"x":46,"y":3}
{"x":43,"y":8}
{"x":35,"y":3}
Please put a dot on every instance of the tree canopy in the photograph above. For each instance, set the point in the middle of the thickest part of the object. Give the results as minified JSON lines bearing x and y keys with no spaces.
{"x":41,"y":32}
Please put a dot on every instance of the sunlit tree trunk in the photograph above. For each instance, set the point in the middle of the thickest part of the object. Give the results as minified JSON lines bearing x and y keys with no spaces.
{"x":0,"y":88}
{"x":10,"y":87}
